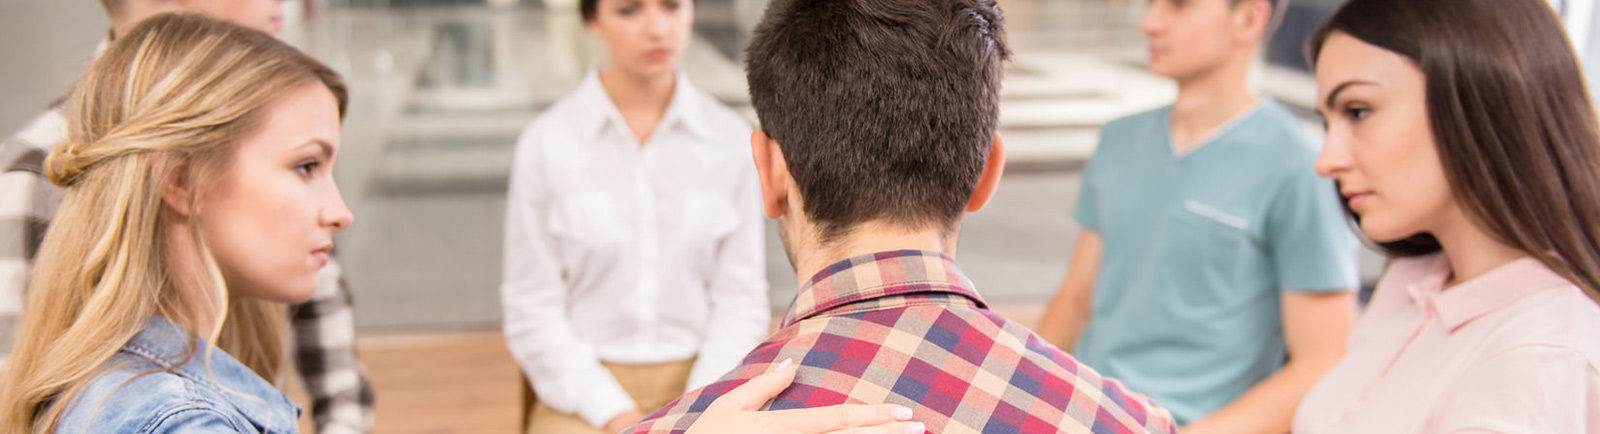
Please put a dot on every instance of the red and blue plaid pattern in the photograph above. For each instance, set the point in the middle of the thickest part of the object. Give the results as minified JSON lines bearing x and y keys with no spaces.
{"x":906,"y":327}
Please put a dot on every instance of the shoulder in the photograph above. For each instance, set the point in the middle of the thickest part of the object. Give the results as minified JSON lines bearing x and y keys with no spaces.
{"x":139,"y":397}
{"x":45,"y":130}
{"x":1137,"y":121}
{"x":1530,"y":388}
{"x":1129,"y":127}
{"x":724,"y":120}
{"x":1556,"y":325}
{"x":1278,"y":134}
{"x":1123,"y":140}
{"x":561,"y":117}
{"x":25,"y":150}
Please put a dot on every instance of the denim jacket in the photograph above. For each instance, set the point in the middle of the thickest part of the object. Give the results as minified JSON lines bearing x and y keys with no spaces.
{"x":147,"y":387}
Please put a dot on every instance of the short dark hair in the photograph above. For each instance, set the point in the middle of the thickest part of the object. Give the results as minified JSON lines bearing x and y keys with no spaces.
{"x":884,"y":109}
{"x":587,"y":9}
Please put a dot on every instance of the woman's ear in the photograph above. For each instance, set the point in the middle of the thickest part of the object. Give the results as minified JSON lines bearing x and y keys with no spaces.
{"x":176,"y":190}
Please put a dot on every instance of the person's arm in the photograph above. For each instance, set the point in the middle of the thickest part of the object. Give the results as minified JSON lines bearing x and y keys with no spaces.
{"x":27,"y":202}
{"x":325,"y":354}
{"x":1316,"y":327}
{"x":563,"y":369}
{"x":1069,"y":312}
{"x":740,"y":313}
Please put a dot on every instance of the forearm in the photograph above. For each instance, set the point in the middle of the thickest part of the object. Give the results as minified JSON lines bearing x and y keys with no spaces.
{"x":1268,"y":407}
{"x":1064,"y":320}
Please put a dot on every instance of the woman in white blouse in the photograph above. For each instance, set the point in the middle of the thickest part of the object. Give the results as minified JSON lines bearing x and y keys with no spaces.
{"x":634,"y":266}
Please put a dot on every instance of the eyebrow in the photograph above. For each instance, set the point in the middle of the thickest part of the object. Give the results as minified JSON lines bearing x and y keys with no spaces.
{"x":322,"y":146}
{"x":1342,"y":86}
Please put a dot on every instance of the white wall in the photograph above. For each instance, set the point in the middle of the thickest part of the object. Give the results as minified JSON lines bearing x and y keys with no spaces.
{"x":44,"y":45}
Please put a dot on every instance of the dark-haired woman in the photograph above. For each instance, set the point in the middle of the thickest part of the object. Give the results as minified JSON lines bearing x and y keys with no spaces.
{"x":634,"y":266}
{"x":1464,"y":143}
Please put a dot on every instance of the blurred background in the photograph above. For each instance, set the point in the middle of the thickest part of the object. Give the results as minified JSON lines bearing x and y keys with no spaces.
{"x":441,"y":88}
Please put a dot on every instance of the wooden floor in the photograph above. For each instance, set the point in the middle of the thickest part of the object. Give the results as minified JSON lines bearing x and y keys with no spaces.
{"x":463,"y":382}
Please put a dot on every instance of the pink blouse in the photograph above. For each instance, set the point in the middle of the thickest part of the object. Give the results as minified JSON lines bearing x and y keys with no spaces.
{"x":1516,"y":350}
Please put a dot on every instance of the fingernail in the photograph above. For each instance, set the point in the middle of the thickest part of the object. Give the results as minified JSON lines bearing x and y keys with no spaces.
{"x":785,"y":364}
{"x":901,"y":413}
{"x":916,"y":428}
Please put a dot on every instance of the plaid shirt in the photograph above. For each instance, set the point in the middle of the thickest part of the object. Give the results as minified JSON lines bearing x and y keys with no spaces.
{"x":906,"y":327}
{"x":323,"y":326}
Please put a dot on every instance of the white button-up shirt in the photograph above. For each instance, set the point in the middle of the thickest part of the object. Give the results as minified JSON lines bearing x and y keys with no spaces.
{"x":631,"y":253}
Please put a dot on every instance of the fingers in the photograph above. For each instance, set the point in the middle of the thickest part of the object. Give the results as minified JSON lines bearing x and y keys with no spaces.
{"x":754,"y":394}
{"x":842,"y":417}
{"x":888,"y":428}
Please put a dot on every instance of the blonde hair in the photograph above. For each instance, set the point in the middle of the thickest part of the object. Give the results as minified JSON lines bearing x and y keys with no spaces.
{"x":171,"y":99}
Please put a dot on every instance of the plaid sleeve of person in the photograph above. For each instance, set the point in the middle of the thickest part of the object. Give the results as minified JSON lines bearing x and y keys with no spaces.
{"x":324,"y":330}
{"x":961,"y":370}
{"x":27,"y":202}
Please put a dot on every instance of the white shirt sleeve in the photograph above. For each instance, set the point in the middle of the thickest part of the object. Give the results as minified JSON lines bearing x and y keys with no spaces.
{"x":740,"y":312}
{"x":564,"y":370}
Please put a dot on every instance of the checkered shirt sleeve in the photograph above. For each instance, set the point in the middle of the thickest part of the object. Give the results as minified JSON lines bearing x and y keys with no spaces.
{"x":324,"y":335}
{"x":27,"y":202}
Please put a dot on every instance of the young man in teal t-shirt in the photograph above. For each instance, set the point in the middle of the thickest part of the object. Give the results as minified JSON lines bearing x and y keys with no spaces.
{"x":1214,"y":271}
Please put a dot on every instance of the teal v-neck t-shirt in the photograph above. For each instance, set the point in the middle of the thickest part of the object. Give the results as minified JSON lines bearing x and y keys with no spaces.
{"x":1197,"y":249}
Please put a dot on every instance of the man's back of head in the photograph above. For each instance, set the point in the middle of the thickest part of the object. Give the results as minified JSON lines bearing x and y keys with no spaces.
{"x":882,"y":114}
{"x":884,"y":109}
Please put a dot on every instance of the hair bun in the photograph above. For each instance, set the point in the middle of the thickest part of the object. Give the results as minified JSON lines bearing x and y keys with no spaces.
{"x":65,"y":164}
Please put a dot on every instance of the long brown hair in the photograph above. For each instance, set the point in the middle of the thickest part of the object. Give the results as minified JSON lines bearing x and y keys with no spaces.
{"x":1514,"y":126}
{"x":171,"y":98}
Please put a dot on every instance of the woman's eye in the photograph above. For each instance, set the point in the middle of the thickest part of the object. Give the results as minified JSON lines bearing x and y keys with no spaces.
{"x":1357,"y":113}
{"x":307,"y":168}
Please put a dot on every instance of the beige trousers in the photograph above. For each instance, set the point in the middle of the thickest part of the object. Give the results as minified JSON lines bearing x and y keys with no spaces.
{"x":651,"y":386}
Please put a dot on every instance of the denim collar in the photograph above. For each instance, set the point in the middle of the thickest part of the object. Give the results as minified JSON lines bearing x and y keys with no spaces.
{"x":164,"y":344}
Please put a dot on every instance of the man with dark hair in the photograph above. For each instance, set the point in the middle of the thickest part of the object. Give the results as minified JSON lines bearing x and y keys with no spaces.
{"x":1208,"y":215}
{"x":878,"y":133}
{"x":323,"y":327}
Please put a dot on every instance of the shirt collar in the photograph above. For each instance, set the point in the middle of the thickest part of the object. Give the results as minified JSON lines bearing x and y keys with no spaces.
{"x":880,"y":275}
{"x":165,"y":344}
{"x":600,"y":112}
{"x":1483,"y":294}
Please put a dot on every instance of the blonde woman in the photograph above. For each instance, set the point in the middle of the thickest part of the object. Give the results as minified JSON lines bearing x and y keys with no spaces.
{"x":199,"y":199}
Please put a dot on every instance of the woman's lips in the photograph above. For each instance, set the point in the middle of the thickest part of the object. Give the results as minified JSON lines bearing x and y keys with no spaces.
{"x":1357,"y":201}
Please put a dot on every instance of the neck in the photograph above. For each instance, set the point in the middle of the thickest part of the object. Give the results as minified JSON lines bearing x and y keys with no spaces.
{"x":1210,"y":99}
{"x":638,"y":94}
{"x":812,"y":256}
{"x":1472,"y":252}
